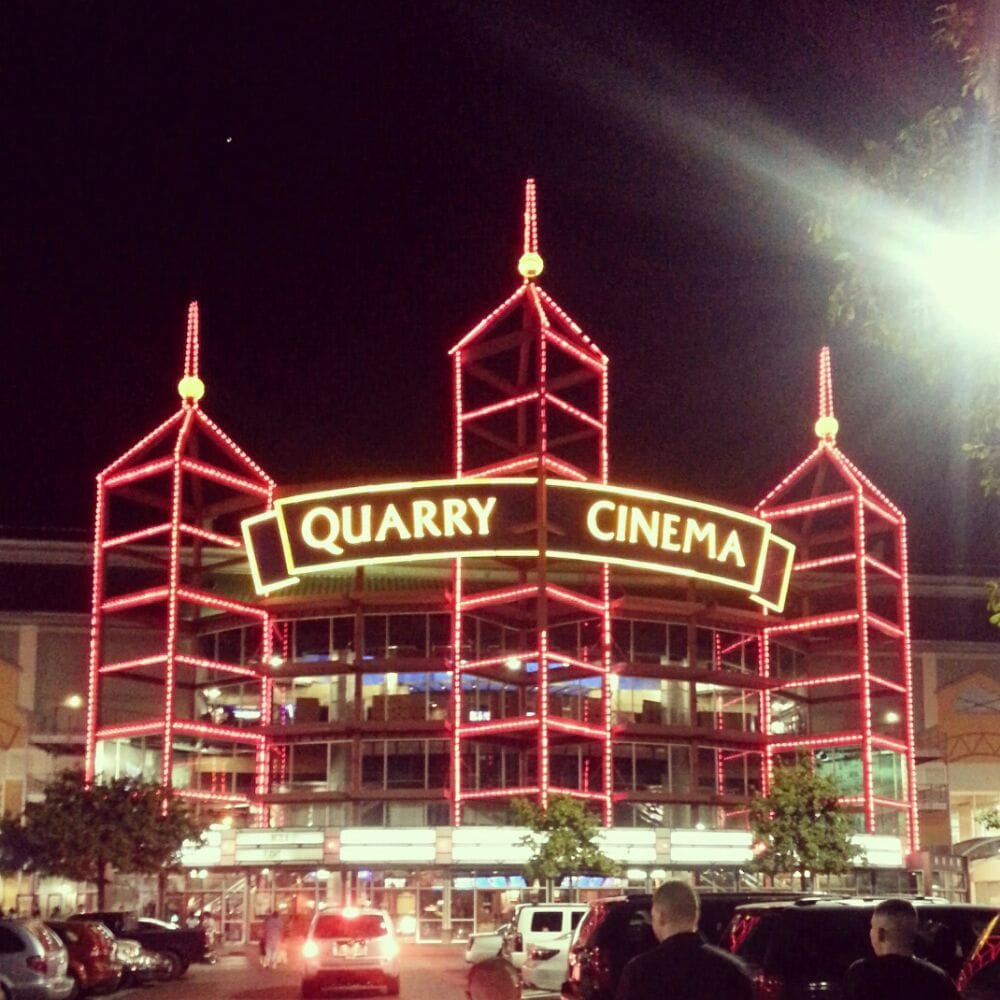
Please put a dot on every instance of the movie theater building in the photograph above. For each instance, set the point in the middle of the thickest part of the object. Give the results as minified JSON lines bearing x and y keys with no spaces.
{"x":354,"y":679}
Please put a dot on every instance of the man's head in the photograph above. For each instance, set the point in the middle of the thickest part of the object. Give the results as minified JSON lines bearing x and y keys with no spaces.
{"x":674,"y":910}
{"x":894,"y":927}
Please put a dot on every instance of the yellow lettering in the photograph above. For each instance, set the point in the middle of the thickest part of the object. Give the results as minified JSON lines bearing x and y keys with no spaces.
{"x":391,"y":521}
{"x":669,"y":531}
{"x":483,"y":512}
{"x":621,"y":523}
{"x":694,"y":532}
{"x":314,"y":535}
{"x":648,"y":525}
{"x":733,"y":547}
{"x":592,"y":525}
{"x":423,"y":519}
{"x":347,"y":525}
{"x":454,"y":510}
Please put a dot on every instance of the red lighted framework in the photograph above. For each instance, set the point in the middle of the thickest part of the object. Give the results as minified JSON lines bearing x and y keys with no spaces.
{"x":850,"y":607}
{"x":167,"y":523}
{"x":531,"y":399}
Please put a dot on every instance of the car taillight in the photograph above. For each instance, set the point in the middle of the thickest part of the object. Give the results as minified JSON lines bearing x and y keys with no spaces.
{"x":600,"y":968}
{"x":38,"y":964}
{"x":767,"y":987}
{"x":518,"y":942}
{"x":542,"y":954}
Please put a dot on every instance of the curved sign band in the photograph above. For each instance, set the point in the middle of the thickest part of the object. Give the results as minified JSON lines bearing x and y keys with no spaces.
{"x":500,"y":518}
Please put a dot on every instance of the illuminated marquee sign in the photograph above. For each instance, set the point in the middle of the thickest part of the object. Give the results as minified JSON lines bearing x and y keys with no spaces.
{"x":469,"y":518}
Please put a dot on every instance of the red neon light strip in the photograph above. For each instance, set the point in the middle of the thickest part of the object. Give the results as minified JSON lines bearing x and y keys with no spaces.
{"x":495,"y":661}
{"x":234,"y":449}
{"x":226,"y":541}
{"x":209,"y":600}
{"x":500,"y":468}
{"x":135,"y":536}
{"x":815,"y":621}
{"x":207,"y":471}
{"x":883,"y":568}
{"x":147,"y":728}
{"x":825,"y":383}
{"x":847,"y":557}
{"x":234,"y":800}
{"x":143,"y":471}
{"x":191,"y":345}
{"x":230,"y":733}
{"x":597,"y":364}
{"x":220,"y":667}
{"x":94,"y":660}
{"x":808,"y":506}
{"x":836,"y":740}
{"x":497,"y":313}
{"x":882,"y":498}
{"x":848,"y":678}
{"x":457,"y":388}
{"x":143,"y":443}
{"x":564,"y":468}
{"x":575,"y":411}
{"x":571,"y":324}
{"x":143,"y":661}
{"x":503,"y":404}
{"x":886,"y":515}
{"x":500,"y":793}
{"x":570,"y":597}
{"x":530,"y":217}
{"x":486,"y":728}
{"x":543,"y":320}
{"x":606,"y":655}
{"x":456,"y":696}
{"x":865,"y":665}
{"x":904,"y":603}
{"x":885,"y":743}
{"x":790,"y":478}
{"x":497,"y":596}
{"x":881,"y":624}
{"x":577,"y":728}
{"x":150,"y":596}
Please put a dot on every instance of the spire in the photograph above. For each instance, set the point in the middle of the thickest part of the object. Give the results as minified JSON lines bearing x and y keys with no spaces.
{"x":191,"y":388}
{"x":826,"y":424}
{"x":530,"y":265}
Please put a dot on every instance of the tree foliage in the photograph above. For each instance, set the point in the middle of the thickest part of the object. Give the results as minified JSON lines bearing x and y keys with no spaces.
{"x":799,"y":827}
{"x":563,"y":839}
{"x":911,"y":197}
{"x":990,"y":818}
{"x":78,"y":831}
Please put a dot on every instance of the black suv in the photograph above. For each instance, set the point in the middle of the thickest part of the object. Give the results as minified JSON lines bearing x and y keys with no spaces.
{"x":619,"y":928}
{"x":801,"y":950}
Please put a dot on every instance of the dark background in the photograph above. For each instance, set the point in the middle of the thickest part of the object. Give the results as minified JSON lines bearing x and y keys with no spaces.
{"x":340,"y":186}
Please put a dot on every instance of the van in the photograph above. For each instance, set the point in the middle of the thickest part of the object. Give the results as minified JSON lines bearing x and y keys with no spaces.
{"x":538,"y":925}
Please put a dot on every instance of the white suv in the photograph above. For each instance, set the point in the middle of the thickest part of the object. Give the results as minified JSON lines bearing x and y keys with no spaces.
{"x":350,"y":947}
{"x":539,"y":925}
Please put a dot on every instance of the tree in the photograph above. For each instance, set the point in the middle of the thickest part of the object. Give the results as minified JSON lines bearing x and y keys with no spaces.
{"x":900,"y":239}
{"x":990,"y":818}
{"x":799,"y":827}
{"x":79,"y":830}
{"x":563,"y":839}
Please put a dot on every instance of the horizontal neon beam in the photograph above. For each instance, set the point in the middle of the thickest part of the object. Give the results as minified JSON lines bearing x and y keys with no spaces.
{"x":217,"y":475}
{"x":808,"y":506}
{"x":574,"y":411}
{"x":488,"y":728}
{"x":141,"y":597}
{"x":147,"y":728}
{"x":142,"y":661}
{"x":498,"y":596}
{"x":571,"y":597}
{"x":139,"y":472}
{"x":495,"y":661}
{"x":577,"y":728}
{"x":135,"y":536}
{"x":883,"y":568}
{"x":814,"y":621}
{"x":220,"y":666}
{"x":823,"y":562}
{"x":498,"y":793}
{"x":190,"y":793}
{"x":230,"y":733}
{"x":226,"y":541}
{"x":885,"y":626}
{"x":503,"y":404}
{"x":210,"y":600}
{"x":564,"y":468}
{"x":809,"y":742}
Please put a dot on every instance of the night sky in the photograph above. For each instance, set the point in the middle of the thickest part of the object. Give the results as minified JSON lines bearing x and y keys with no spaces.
{"x":340,"y":186}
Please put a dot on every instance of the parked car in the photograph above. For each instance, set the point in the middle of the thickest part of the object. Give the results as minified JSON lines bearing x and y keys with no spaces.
{"x":619,"y":928}
{"x":33,"y":962}
{"x":179,"y":946}
{"x":980,"y":976}
{"x":546,"y":965}
{"x":538,"y":925}
{"x":800,"y":949}
{"x":93,"y":962}
{"x":140,"y":965}
{"x":350,"y":947}
{"x":485,"y":944}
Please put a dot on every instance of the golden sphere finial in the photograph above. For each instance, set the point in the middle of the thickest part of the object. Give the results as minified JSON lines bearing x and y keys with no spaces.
{"x":530,"y":265}
{"x":191,"y":387}
{"x":827,"y":427}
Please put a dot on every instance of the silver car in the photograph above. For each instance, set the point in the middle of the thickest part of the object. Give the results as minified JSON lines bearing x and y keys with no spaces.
{"x":350,"y":947}
{"x":33,"y":962}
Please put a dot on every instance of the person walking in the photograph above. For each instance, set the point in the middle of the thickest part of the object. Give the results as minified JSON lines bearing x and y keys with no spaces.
{"x":682,"y":966}
{"x":894,"y":972}
{"x":273,"y":931}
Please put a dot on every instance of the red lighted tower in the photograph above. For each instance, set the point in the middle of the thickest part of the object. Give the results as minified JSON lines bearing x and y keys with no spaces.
{"x":840,"y":661}
{"x":167,"y":528}
{"x":532,"y":638}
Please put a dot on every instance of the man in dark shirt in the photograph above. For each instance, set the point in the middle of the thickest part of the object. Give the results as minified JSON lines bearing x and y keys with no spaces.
{"x":682,"y":966}
{"x":894,"y":972}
